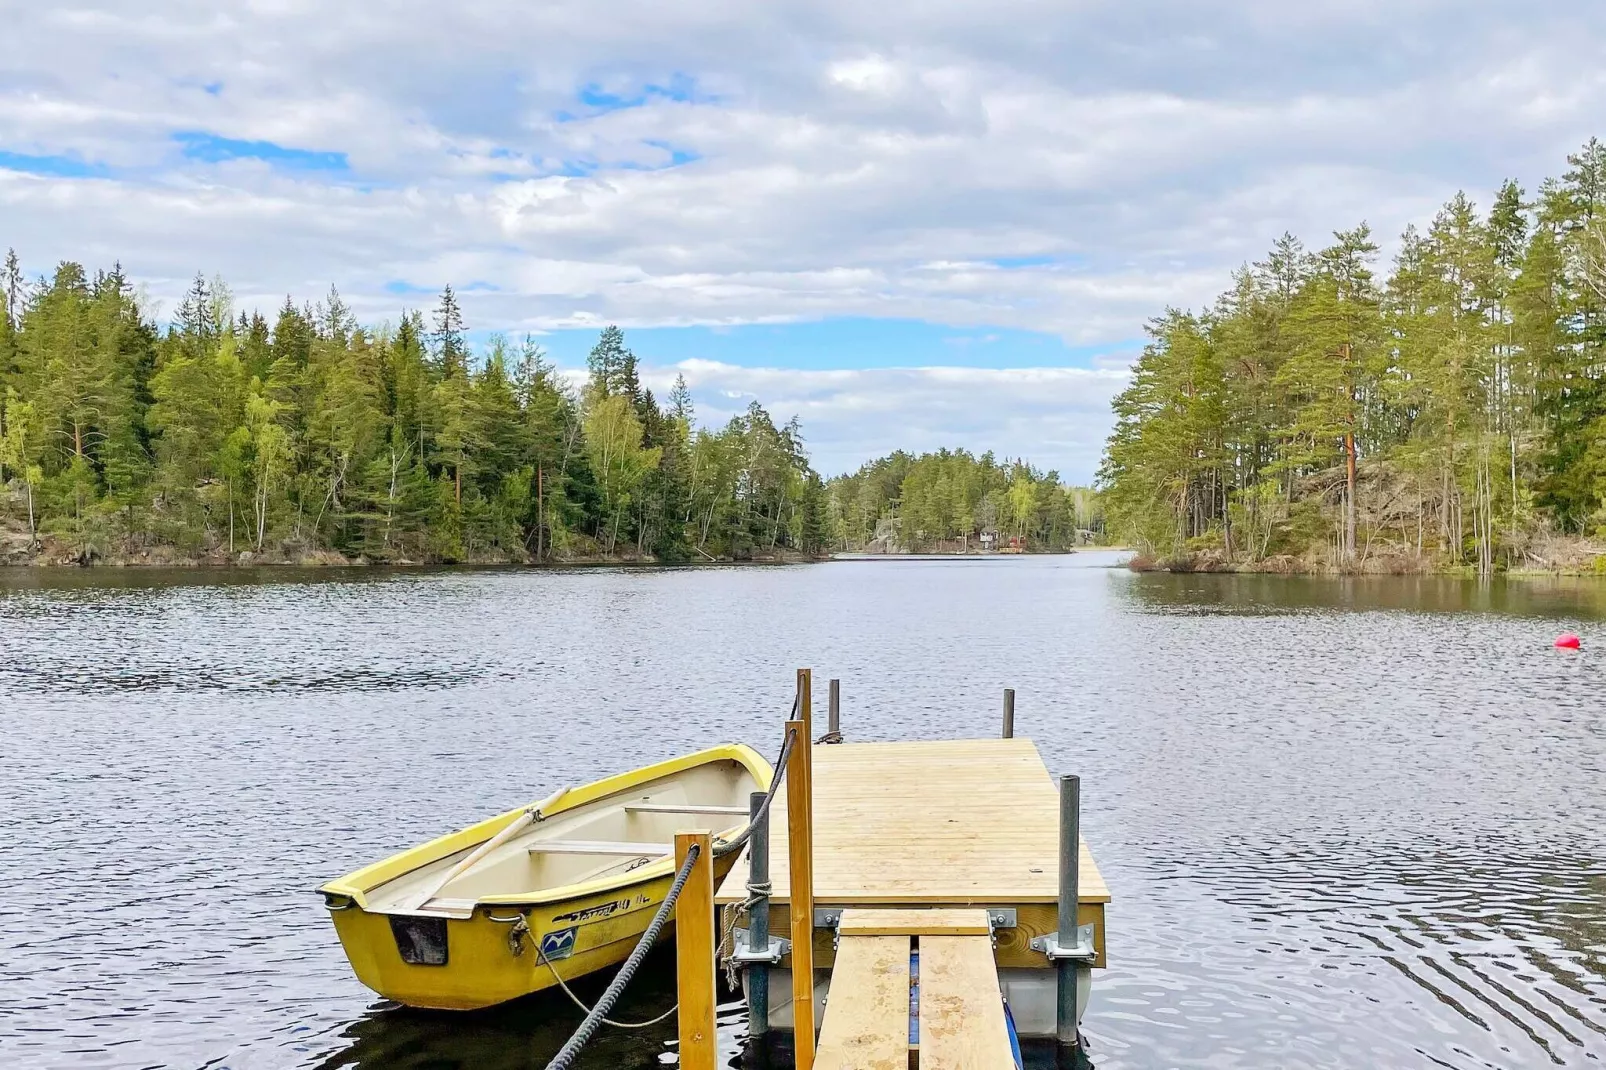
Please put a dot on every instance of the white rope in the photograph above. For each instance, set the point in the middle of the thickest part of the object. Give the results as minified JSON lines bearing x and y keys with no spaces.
{"x":578,"y":1002}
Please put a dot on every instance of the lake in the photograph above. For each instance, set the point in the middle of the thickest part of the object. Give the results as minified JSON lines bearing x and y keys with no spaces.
{"x":1346,"y":822}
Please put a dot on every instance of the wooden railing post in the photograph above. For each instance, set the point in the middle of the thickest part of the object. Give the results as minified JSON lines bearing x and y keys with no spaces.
{"x":800,"y":845}
{"x":694,"y":955}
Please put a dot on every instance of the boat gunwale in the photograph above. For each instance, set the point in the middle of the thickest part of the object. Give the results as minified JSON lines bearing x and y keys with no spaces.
{"x":356,"y":885}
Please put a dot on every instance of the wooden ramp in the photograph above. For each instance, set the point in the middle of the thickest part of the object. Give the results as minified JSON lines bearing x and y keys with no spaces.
{"x":872,"y":1018}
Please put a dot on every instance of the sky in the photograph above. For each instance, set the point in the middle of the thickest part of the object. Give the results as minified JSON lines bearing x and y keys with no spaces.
{"x":912,"y":224}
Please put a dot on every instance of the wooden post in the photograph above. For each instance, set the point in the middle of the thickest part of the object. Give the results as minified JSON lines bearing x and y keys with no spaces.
{"x":833,"y":722}
{"x":1009,"y":713}
{"x":800,"y":844}
{"x":694,"y":955}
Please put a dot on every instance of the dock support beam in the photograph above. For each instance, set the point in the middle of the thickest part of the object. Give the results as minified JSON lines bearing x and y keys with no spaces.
{"x":1065,"y":1030}
{"x":800,"y":842}
{"x":1009,"y":713}
{"x":833,"y":724}
{"x":694,"y":954}
{"x":758,"y":921}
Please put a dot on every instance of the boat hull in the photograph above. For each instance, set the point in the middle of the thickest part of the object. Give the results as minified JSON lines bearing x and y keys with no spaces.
{"x":482,"y":968}
{"x":413,"y":941}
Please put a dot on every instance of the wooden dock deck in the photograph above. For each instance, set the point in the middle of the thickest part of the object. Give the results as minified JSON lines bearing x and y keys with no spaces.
{"x":957,"y":823}
{"x":911,"y":842}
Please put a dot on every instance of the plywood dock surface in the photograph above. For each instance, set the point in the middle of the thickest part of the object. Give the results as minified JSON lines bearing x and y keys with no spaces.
{"x":866,"y":1023}
{"x":938,"y":822}
{"x":914,"y":922}
{"x":961,"y":1011}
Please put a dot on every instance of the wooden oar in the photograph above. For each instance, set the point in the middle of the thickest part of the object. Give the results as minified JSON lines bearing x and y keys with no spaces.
{"x":511,"y":829}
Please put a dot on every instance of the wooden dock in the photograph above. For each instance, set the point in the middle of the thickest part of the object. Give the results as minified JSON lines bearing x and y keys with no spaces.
{"x":944,"y":854}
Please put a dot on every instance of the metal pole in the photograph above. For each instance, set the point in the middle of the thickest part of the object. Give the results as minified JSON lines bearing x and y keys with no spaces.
{"x":834,"y":718}
{"x":694,"y":955}
{"x":758,"y":920}
{"x":1070,"y":857}
{"x":1009,"y":713}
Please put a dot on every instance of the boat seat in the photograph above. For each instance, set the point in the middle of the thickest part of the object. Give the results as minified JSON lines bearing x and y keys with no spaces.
{"x":600,"y":847}
{"x":682,"y":808}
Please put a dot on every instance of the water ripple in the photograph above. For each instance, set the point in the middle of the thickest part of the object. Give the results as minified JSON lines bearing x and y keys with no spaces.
{"x":1347,"y":823}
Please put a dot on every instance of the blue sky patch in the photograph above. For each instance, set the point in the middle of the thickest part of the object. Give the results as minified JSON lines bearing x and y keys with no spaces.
{"x":51,"y":166}
{"x":403,"y":288}
{"x":843,"y":342}
{"x":677,"y":157}
{"x":680,"y":87}
{"x":211,"y":148}
{"x":1025,"y":261}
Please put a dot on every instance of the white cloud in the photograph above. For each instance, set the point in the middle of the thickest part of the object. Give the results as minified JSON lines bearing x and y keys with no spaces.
{"x":787,"y":160}
{"x":1056,"y":417}
{"x":852,"y":159}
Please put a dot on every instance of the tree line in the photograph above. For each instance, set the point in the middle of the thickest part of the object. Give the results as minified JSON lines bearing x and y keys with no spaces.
{"x":1450,"y":413}
{"x":225,"y":434}
{"x":948,"y":499}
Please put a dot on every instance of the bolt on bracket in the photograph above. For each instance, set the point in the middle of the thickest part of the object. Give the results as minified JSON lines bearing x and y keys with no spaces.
{"x":1081,"y":951}
{"x":771,"y":955}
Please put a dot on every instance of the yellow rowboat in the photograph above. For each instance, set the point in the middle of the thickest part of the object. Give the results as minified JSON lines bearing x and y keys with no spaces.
{"x":558,"y":889}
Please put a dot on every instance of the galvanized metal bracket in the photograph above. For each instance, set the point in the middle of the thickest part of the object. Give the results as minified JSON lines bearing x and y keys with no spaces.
{"x":1001,"y":917}
{"x":997,"y":917}
{"x":1081,"y":951}
{"x":747,"y":956}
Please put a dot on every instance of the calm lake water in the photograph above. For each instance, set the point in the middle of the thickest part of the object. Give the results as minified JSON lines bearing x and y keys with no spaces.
{"x":1347,"y":823}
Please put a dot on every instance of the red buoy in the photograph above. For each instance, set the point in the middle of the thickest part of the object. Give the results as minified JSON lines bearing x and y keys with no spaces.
{"x":1567,"y":641}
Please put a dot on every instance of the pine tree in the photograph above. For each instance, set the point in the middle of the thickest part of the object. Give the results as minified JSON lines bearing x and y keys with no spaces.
{"x":680,"y":403}
{"x":16,"y":297}
{"x":608,"y":360}
{"x":14,"y":300}
{"x":451,"y":351}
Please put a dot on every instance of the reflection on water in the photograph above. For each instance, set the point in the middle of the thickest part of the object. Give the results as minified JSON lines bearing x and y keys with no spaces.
{"x":1539,"y":596}
{"x":522,"y":1035}
{"x":1347,"y":822}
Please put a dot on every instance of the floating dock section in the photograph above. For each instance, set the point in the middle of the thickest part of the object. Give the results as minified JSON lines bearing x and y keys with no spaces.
{"x":938,"y":895}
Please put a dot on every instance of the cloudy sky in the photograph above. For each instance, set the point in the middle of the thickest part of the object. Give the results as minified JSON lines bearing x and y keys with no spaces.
{"x":911,"y":223}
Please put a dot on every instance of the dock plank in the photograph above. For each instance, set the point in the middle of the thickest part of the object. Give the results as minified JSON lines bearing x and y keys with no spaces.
{"x":866,"y":1023}
{"x":961,"y":1010}
{"x":939,"y":822}
{"x":931,"y":922}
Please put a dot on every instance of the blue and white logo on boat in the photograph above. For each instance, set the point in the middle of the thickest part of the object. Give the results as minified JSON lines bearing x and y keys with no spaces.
{"x":558,"y":944}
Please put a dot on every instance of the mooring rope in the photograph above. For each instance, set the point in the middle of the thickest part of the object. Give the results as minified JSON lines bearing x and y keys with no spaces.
{"x":730,"y":847}
{"x":521,"y":929}
{"x":726,"y":952}
{"x":616,"y":988}
{"x":597,"y":1016}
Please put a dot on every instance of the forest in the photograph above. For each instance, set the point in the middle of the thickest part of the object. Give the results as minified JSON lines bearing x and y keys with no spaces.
{"x":944,"y":501}
{"x":1448,"y":412}
{"x":222,"y":437}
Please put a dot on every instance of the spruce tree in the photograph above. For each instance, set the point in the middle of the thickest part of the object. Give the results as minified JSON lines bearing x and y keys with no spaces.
{"x":451,"y":351}
{"x":607,"y":362}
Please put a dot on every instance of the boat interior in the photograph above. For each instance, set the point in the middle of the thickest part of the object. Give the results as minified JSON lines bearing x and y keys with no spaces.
{"x":611,"y":836}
